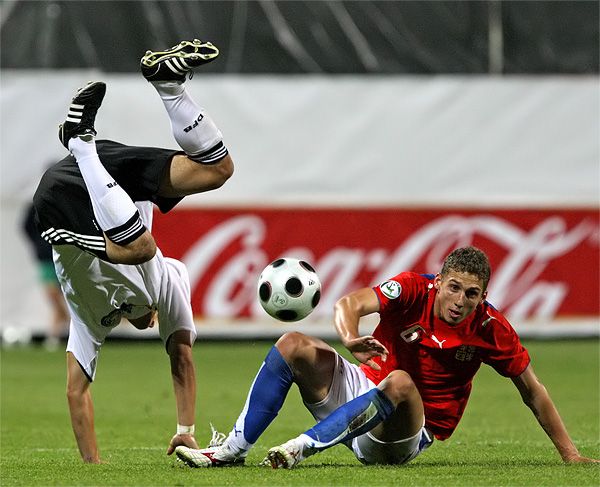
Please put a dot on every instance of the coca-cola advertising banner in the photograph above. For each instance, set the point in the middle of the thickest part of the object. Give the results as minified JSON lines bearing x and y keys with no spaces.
{"x":545,"y":263}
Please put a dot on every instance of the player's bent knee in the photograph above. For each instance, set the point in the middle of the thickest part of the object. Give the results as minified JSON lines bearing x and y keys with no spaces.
{"x":226,"y":168}
{"x":398,"y":386}
{"x":292,"y":344}
{"x":211,"y":176}
{"x":223,"y":171}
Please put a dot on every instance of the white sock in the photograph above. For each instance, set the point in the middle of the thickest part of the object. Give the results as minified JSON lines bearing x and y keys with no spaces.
{"x":238,"y":445}
{"x":307,"y":446}
{"x":112,"y":206}
{"x":193,"y":129}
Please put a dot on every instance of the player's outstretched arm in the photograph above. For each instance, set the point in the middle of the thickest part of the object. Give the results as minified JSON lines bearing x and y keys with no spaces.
{"x":536,"y":397}
{"x":347,"y":313}
{"x":183,"y":373}
{"x":81,"y":409}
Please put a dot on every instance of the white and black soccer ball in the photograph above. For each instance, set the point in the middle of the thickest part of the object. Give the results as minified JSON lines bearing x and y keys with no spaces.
{"x":289,"y":289}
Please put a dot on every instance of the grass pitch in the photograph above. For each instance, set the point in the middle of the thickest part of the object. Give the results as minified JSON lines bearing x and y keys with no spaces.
{"x":497,"y":443}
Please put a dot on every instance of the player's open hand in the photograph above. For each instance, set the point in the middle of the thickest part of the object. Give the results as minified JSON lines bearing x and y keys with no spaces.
{"x":580,"y":459}
{"x":181,"y":440}
{"x":365,"y":348}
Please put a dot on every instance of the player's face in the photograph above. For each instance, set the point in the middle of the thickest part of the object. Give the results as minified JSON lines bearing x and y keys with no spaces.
{"x":458,"y":295}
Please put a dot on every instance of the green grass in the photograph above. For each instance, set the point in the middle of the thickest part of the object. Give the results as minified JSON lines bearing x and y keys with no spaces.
{"x":497,"y":443}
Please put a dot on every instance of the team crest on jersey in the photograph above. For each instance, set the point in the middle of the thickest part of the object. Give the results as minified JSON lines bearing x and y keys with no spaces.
{"x":465,"y":353}
{"x":391,"y":289}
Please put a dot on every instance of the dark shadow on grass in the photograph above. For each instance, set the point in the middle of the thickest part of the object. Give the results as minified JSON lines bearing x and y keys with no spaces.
{"x":489,"y":464}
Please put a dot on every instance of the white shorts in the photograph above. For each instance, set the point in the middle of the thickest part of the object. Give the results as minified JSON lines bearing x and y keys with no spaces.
{"x":349,"y":382}
{"x":95,"y":291}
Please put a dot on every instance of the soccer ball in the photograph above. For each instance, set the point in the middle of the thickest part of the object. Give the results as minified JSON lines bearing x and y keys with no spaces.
{"x":289,"y":289}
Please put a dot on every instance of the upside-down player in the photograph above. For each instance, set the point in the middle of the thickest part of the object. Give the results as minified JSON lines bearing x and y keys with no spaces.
{"x":95,"y":208}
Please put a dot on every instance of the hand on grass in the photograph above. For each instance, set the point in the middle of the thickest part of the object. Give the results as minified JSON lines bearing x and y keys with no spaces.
{"x":96,"y":461}
{"x":580,"y":459}
{"x":181,"y":440}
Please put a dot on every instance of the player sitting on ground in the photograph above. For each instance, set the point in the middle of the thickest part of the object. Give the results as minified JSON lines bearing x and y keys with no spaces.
{"x":414,"y":380}
{"x":95,"y":208}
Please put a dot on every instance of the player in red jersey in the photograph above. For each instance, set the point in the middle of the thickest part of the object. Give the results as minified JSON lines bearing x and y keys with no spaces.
{"x":414,"y":380}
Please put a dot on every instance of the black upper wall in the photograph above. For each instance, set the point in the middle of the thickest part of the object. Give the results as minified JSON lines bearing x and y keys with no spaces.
{"x":335,"y":37}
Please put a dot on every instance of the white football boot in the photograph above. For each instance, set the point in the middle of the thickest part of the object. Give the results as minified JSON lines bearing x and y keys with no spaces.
{"x":217,"y":454}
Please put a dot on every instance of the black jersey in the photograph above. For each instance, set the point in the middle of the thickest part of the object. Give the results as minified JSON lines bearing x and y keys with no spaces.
{"x":63,"y":208}
{"x":42,"y":249}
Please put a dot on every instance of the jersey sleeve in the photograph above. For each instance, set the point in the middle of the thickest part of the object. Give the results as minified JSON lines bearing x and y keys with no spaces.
{"x":506,"y":353}
{"x":399,"y":291}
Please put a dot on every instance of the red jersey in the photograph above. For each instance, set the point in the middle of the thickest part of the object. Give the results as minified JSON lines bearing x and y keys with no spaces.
{"x":441,"y":359}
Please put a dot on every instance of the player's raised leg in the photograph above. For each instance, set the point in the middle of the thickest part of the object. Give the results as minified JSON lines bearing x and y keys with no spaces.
{"x":207,"y":164}
{"x":127,"y":239}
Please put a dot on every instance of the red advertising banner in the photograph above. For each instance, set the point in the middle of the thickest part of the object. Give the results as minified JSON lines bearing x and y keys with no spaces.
{"x":545,"y":263}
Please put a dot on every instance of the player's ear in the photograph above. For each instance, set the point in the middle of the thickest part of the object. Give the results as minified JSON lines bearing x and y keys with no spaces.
{"x":437,"y":282}
{"x":484,"y":296}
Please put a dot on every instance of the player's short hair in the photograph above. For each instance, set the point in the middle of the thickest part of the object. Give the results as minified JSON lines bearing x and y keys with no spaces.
{"x":470,"y":260}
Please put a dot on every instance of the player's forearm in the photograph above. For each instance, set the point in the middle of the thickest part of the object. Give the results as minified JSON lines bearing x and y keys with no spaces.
{"x":549,"y":419}
{"x":82,"y":420}
{"x":350,"y":309}
{"x":184,"y":386}
{"x":346,"y":319}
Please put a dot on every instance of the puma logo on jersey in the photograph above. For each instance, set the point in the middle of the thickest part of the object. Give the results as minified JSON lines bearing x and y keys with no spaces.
{"x":485,"y":323}
{"x":434,"y":338}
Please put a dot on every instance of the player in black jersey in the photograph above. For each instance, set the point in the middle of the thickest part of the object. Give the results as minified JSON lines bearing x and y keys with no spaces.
{"x":87,"y":199}
{"x":95,"y":208}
